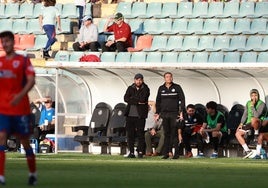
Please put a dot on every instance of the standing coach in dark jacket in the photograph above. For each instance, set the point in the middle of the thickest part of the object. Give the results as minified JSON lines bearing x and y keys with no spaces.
{"x":170,"y":103}
{"x":136,"y":98}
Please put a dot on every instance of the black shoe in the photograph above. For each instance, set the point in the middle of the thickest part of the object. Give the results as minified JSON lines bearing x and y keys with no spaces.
{"x":175,"y":157}
{"x":32,"y":180}
{"x":165,"y":157}
{"x":46,"y":55}
{"x":131,"y":155}
{"x":140,"y":155}
{"x":2,"y":183}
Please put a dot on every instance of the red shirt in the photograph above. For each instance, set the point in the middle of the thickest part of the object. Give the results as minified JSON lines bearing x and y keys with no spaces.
{"x":12,"y":74}
{"x":120,"y":32}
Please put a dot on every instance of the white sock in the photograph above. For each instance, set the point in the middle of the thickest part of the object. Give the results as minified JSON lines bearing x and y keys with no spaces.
{"x":33,"y":174}
{"x":245,"y":147}
{"x":2,"y":178}
{"x":258,"y":149}
{"x":256,"y":132}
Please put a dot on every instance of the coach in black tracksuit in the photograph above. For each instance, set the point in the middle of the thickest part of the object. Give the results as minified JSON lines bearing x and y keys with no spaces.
{"x":136,"y":98}
{"x":170,"y":102}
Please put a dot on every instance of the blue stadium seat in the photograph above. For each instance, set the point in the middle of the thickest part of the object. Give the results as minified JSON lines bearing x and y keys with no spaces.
{"x":184,"y":9}
{"x":185,"y":57}
{"x":237,"y":42}
{"x":246,"y":9}
{"x":125,"y":9}
{"x":169,"y":9}
{"x":62,"y":56}
{"x":40,"y":42}
{"x":88,"y":10}
{"x":226,"y":26}
{"x":242,"y":26}
{"x":38,"y":7}
{"x":157,"y":26}
{"x":200,"y":9}
{"x":179,"y":26}
{"x":153,"y":8}
{"x":154,"y":57}
{"x":33,"y":26}
{"x":136,"y":26}
{"x":216,"y":57}
{"x":220,"y":43}
{"x":20,"y":26}
{"x":7,"y":23}
{"x":174,"y":42}
{"x":200,"y":57}
{"x":189,"y":43}
{"x":123,"y":57}
{"x":206,"y":42}
{"x":261,"y":9}
{"x":66,"y":27}
{"x":247,"y":57}
{"x":165,"y":25}
{"x":2,"y":10}
{"x":101,"y":24}
{"x":214,"y":9}
{"x":159,"y":41}
{"x":195,"y":26}
{"x":68,"y":11}
{"x":264,"y":44}
{"x":259,"y":26}
{"x":138,"y":8}
{"x":108,"y":56}
{"x":170,"y":57}
{"x":75,"y":56}
{"x":262,"y":57}
{"x":12,"y":10}
{"x":231,"y":9}
{"x":26,"y":10}
{"x":59,"y":7}
{"x":254,"y":43}
{"x":138,"y":57}
{"x":232,"y":57}
{"x":211,"y":26}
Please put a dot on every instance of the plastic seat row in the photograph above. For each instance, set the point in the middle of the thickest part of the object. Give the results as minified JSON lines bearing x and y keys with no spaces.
{"x":196,"y":43}
{"x":196,"y":26}
{"x":30,"y":10}
{"x":193,"y":10}
{"x":24,"y":26}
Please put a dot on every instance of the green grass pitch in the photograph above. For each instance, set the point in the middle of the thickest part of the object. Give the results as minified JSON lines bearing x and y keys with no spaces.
{"x":74,"y":170}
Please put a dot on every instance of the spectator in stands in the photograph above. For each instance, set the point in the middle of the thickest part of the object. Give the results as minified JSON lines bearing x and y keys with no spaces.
{"x":215,"y":126}
{"x":122,"y":34}
{"x":48,"y":19}
{"x":260,"y":152}
{"x":80,"y":4}
{"x":47,"y":117}
{"x":136,"y":97}
{"x":88,"y":36}
{"x":153,"y":129}
{"x":254,"y":113}
{"x":170,"y":103}
{"x":189,"y":128}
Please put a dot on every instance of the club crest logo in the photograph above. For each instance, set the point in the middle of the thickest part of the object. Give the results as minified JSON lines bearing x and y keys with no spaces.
{"x":16,"y":64}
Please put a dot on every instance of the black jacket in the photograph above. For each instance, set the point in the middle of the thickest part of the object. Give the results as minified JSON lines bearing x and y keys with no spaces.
{"x":170,"y":100}
{"x":134,"y":97}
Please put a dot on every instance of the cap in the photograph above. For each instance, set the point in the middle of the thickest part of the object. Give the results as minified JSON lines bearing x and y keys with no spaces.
{"x":254,"y":91}
{"x":138,"y":76}
{"x":87,"y":18}
{"x":118,"y":15}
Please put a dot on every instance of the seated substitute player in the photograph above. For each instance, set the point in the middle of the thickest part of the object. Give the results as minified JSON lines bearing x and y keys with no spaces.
{"x":260,"y":152}
{"x":189,"y":128}
{"x":215,"y":125}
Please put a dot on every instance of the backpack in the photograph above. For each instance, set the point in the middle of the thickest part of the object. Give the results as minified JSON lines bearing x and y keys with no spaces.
{"x":89,"y":58}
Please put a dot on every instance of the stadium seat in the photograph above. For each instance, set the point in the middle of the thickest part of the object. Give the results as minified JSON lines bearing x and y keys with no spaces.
{"x":200,"y":9}
{"x":151,"y":26}
{"x":200,"y":57}
{"x":220,"y":43}
{"x":98,"y":125}
{"x":33,"y":26}
{"x":159,"y":41}
{"x":7,"y":23}
{"x":26,"y":41}
{"x":169,"y":9}
{"x":185,"y":57}
{"x":214,"y":9}
{"x":138,"y":57}
{"x":261,"y":9}
{"x":242,"y":26}
{"x":247,"y":57}
{"x":66,"y":27}
{"x":178,"y":26}
{"x":190,"y":43}
{"x":254,"y":43}
{"x":68,"y":11}
{"x":143,"y":41}
{"x":38,"y":7}
{"x":59,"y":7}
{"x":259,"y":26}
{"x":174,"y":42}
{"x":205,"y":42}
{"x":262,"y":57}
{"x":12,"y":10}
{"x":154,"y":57}
{"x":195,"y":26}
{"x":211,"y":26}
{"x":184,"y":9}
{"x":226,"y":25}
{"x":75,"y":56}
{"x":232,"y":57}
{"x":136,"y":26}
{"x":88,"y":10}
{"x":216,"y":57}
{"x":124,"y":8}
{"x":264,"y":44}
{"x":108,"y":56}
{"x":101,"y":24}
{"x":39,"y":43}
{"x":237,"y":42}
{"x":2,"y":10}
{"x":138,"y":8}
{"x":246,"y":9}
{"x":20,"y":26}
{"x":123,"y":57}
{"x":223,"y":109}
{"x":153,"y":8}
{"x":231,"y":9}
{"x":164,"y":25}
{"x":62,"y":56}
{"x":26,"y":10}
{"x":169,"y":57}
{"x":200,"y":109}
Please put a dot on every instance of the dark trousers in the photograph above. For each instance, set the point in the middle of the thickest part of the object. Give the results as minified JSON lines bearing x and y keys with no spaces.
{"x":135,"y":128}
{"x":81,"y":13}
{"x":187,"y":137}
{"x":119,"y":46}
{"x":93,"y":46}
{"x":51,"y":35}
{"x":171,"y":133}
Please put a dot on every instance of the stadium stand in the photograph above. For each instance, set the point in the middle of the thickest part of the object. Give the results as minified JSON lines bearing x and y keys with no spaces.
{"x":168,"y":9}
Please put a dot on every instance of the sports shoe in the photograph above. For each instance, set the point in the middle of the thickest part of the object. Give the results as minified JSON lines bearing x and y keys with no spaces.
{"x":32,"y":180}
{"x":155,"y":154}
{"x":188,"y":154}
{"x":131,"y":155}
{"x":214,"y":155}
{"x":2,"y":183}
{"x":200,"y":155}
{"x":207,"y":138}
{"x":248,"y":154}
{"x":148,"y":154}
{"x":165,"y":157}
{"x":257,"y":157}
